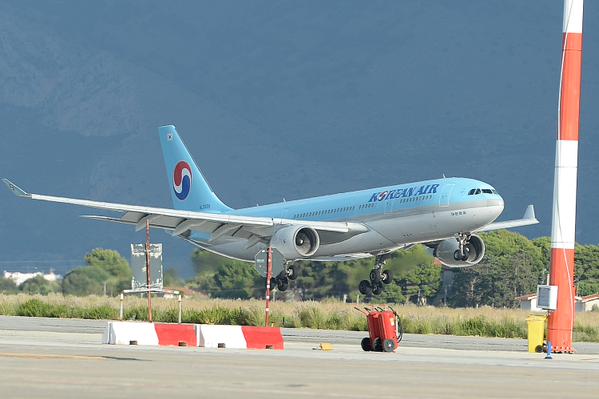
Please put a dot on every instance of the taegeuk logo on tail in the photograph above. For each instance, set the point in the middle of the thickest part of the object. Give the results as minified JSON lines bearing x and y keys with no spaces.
{"x":182,"y":180}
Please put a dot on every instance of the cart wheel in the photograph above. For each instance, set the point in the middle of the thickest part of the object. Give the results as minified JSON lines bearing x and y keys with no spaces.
{"x":387,"y":276}
{"x":539,"y":349}
{"x":365,"y":288}
{"x":389,"y":345}
{"x":366,"y":344}
{"x":378,"y":345}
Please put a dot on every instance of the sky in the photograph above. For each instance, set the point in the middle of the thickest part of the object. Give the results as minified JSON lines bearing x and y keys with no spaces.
{"x":277,"y":100}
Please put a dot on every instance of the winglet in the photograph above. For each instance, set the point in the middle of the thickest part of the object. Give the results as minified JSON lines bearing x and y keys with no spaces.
{"x":530,"y":213}
{"x":16,"y":190}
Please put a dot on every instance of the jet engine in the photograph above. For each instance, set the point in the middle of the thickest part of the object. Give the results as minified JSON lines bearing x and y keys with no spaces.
{"x":295,"y":242}
{"x":448,"y":252}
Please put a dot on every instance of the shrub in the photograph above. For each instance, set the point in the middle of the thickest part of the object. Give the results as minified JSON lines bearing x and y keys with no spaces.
{"x":37,"y":308}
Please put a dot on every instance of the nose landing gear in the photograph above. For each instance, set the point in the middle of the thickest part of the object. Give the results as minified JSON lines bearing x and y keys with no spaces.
{"x":378,"y":278}
{"x":464,"y":248}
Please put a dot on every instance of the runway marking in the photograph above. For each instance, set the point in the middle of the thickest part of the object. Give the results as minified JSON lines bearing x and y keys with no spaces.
{"x":50,"y":356}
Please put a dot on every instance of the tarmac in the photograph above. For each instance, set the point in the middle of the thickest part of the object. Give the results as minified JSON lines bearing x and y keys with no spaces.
{"x":58,"y":358}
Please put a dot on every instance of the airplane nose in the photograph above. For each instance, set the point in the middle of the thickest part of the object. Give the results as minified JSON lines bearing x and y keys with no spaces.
{"x":496,"y":204}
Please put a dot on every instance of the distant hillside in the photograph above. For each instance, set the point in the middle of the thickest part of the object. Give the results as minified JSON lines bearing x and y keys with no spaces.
{"x":284,"y":99}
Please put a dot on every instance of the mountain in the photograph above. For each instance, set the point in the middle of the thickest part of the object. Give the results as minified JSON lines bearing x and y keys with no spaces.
{"x":277,"y":100}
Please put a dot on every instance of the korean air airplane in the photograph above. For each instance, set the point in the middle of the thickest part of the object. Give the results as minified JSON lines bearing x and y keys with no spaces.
{"x":444,"y":214}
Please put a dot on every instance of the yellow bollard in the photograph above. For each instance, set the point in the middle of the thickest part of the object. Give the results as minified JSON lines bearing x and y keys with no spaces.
{"x":536,"y":332}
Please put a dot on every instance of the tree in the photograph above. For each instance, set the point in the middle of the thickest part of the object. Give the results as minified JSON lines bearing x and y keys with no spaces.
{"x":8,"y":286}
{"x":421,"y":283}
{"x":206,"y":262}
{"x":587,"y":269}
{"x":512,"y":266}
{"x":233,"y":279}
{"x":39,"y":285}
{"x":105,"y":269}
{"x":393,"y":293}
{"x":85,"y":281}
{"x":172,"y":279}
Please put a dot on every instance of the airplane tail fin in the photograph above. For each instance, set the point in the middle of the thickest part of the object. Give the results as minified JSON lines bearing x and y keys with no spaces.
{"x":189,"y":189}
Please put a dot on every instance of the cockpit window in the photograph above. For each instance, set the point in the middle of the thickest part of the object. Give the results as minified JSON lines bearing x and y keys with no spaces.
{"x":476,"y":191}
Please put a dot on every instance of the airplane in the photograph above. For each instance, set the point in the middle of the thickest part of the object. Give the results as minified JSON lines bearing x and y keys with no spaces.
{"x":444,"y":214}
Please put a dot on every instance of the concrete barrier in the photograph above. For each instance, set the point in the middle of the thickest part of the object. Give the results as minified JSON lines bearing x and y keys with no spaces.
{"x":203,"y":335}
{"x":263,"y":337}
{"x":213,"y":336}
{"x":129,"y":332}
{"x":176,"y":334}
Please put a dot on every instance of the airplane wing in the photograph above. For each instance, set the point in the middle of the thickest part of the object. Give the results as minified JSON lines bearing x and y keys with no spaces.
{"x":528,"y":219}
{"x":180,"y":222}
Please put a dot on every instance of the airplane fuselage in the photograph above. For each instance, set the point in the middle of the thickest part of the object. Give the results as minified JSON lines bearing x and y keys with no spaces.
{"x":395,"y":216}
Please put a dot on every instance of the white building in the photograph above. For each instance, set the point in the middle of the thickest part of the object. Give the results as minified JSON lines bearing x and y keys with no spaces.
{"x":583,"y":304}
{"x":587,"y":303}
{"x":529,"y":302}
{"x":19,"y":277}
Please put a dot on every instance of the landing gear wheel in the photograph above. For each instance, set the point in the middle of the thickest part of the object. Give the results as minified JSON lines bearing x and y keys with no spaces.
{"x":282,"y":283}
{"x":366,"y":344}
{"x":365,"y":287}
{"x":389,"y":345}
{"x":291,"y":272}
{"x":377,"y":289}
{"x":458,"y":256}
{"x":375,"y":275}
{"x":377,"y":279}
{"x":386,"y":277}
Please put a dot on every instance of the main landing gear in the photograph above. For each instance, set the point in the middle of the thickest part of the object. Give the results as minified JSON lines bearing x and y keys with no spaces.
{"x":282,"y":280}
{"x":378,"y":278}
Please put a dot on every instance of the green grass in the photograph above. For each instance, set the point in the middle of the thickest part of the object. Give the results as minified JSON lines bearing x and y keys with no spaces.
{"x":489,"y":322}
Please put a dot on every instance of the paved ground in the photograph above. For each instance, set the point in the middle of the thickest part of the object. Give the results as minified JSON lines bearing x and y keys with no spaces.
{"x":53,"y":358}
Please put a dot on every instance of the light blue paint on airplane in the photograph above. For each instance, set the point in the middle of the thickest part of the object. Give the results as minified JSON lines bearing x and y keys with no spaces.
{"x":443,"y":214}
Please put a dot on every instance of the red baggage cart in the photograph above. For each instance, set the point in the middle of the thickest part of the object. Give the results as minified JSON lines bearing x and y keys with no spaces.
{"x":384,"y":330}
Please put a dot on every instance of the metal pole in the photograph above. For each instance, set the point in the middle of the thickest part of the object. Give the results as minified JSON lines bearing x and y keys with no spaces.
{"x":268,"y":277}
{"x":122,"y":309}
{"x":148,"y":273}
{"x":180,"y":309}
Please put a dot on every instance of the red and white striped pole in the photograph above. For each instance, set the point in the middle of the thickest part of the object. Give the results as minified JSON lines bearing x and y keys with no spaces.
{"x":561,"y":321}
{"x":268,"y":278}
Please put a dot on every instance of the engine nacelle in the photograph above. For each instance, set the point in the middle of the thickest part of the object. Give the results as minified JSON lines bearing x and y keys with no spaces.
{"x":295,"y":242}
{"x":448,"y":252}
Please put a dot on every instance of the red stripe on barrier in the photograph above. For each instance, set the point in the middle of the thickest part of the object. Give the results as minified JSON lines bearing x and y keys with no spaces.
{"x":263,"y":337}
{"x":175,"y":334}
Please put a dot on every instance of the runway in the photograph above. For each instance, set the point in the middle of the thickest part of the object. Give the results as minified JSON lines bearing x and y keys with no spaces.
{"x":55,"y":358}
